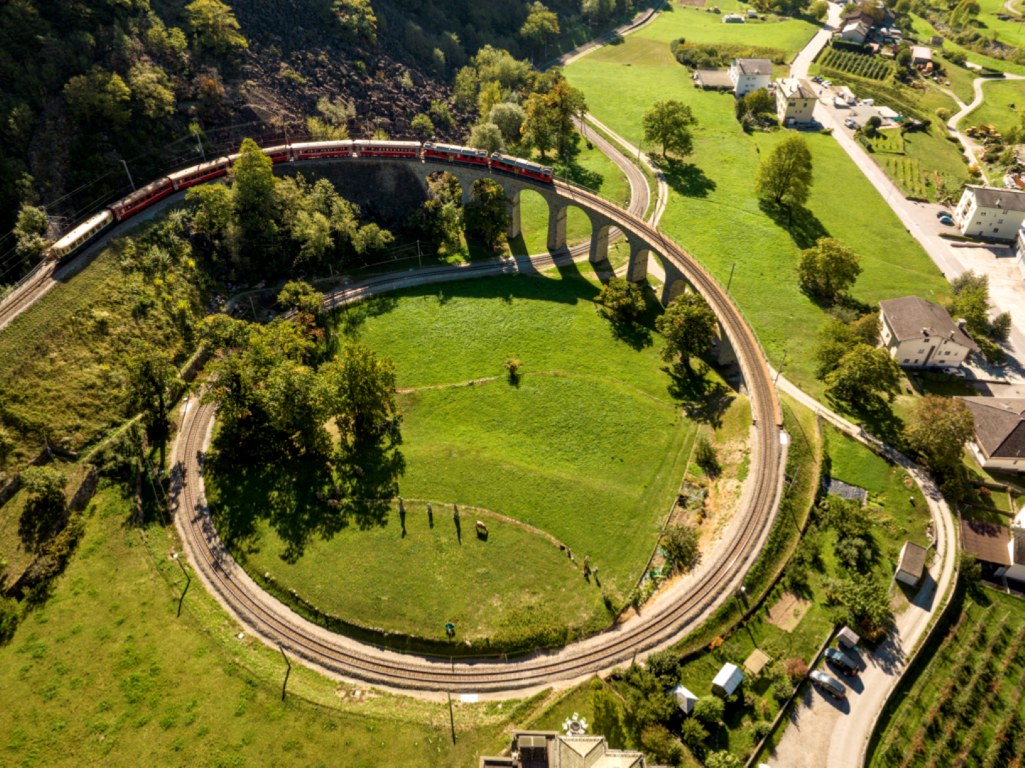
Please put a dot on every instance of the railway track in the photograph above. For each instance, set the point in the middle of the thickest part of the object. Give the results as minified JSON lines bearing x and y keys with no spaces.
{"x":277,"y":625}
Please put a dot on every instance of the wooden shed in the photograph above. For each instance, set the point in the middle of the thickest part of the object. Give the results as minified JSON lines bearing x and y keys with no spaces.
{"x":911,"y":563}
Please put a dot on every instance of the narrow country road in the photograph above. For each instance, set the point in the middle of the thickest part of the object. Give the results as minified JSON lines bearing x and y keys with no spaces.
{"x":970,"y":145}
{"x":823,"y":732}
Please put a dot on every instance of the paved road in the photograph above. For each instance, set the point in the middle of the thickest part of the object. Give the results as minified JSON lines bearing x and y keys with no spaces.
{"x":824,"y":732}
{"x":971,"y":146}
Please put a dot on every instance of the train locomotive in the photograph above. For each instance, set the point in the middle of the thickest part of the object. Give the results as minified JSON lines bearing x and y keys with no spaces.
{"x":78,"y":238}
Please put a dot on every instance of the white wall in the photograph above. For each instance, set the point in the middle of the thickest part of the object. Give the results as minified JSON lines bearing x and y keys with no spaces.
{"x":986,"y":222}
{"x":924,"y":352}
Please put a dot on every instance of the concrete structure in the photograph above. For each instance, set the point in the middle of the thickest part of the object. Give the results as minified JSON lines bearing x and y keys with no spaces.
{"x":1019,"y":251}
{"x":750,"y":75}
{"x":727,"y":681}
{"x":919,"y":334}
{"x":855,"y":32}
{"x":990,"y":212}
{"x":550,"y":749}
{"x":920,"y":55}
{"x":795,"y":101}
{"x":999,"y":432}
{"x":862,"y":113}
{"x":684,"y":698}
{"x":910,"y":564}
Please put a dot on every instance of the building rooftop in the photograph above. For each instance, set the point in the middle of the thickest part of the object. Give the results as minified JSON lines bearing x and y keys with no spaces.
{"x":757,"y":661}
{"x":996,"y":197}
{"x":912,"y":317}
{"x":912,"y":559}
{"x":921,"y":52}
{"x":713,"y":78}
{"x":999,"y":425}
{"x":792,"y":88}
{"x":753,"y":66}
{"x":986,"y":541}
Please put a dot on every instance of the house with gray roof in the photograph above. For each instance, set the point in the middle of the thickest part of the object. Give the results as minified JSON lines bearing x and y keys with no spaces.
{"x":920,"y":334}
{"x":990,"y":212}
{"x":999,"y":432}
{"x":750,"y":75}
{"x":551,"y":749}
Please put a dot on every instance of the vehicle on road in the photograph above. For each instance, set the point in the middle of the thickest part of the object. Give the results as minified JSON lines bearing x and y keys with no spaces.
{"x":850,"y":123}
{"x":828,"y":684}
{"x":941,"y":213}
{"x":846,"y":664}
{"x":944,"y":219}
{"x":953,"y":372}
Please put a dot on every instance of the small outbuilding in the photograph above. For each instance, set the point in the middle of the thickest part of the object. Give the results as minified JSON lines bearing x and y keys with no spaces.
{"x":848,"y":638}
{"x":911,"y":563}
{"x":920,"y":55}
{"x":988,"y":542}
{"x":685,"y":699}
{"x":756,"y":662}
{"x":727,"y":681}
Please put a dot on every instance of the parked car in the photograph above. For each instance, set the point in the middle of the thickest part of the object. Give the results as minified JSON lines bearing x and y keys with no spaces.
{"x":941,"y":213}
{"x":846,"y":664}
{"x":850,"y":123}
{"x":946,"y":220}
{"x":830,"y":685}
{"x":953,"y":372}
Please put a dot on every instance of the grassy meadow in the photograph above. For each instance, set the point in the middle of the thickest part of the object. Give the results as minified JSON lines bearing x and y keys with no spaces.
{"x":996,"y":108}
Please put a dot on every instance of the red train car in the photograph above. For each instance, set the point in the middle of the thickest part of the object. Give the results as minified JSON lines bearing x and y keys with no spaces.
{"x":279,"y":154}
{"x":140,"y":198}
{"x":197,"y":174}
{"x":407,"y":149}
{"x":318,"y":150}
{"x":520,"y":167}
{"x":454,"y":154}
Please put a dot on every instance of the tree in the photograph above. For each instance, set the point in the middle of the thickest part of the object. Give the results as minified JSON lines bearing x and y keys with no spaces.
{"x":538,"y":129}
{"x":668,"y":123}
{"x":509,"y":119}
{"x":659,"y":744}
{"x":864,"y":373}
{"x":321,"y":130}
{"x":828,"y":269}
{"x":486,"y":136}
{"x":371,"y":242}
{"x":1001,"y":327}
{"x":971,"y":301}
{"x":761,"y":101}
{"x":723,"y":759}
{"x":785,"y":176}
{"x":938,"y":428}
{"x":866,"y":600}
{"x":214,"y":26}
{"x":963,"y":13}
{"x":485,"y":216}
{"x":688,"y":325}
{"x":148,"y":377}
{"x":99,"y":96}
{"x":296,"y":400}
{"x":356,"y":18}
{"x":621,"y":298}
{"x":646,"y":701}
{"x":971,"y":569}
{"x":665,"y":665}
{"x":681,"y":544}
{"x":360,"y":391}
{"x":151,"y":90}
{"x":820,"y":10}
{"x":709,"y":709}
{"x":29,"y":231}
{"x":596,"y":10}
{"x":867,"y":328}
{"x":465,"y":88}
{"x":490,"y":95}
{"x":943,"y":114}
{"x":254,"y":201}
{"x":441,"y":115}
{"x":693,"y":733}
{"x":904,"y":57}
{"x":422,"y":126}
{"x":540,"y":24}
{"x":563,"y":102}
{"x":7,"y":445}
{"x":302,"y":297}
{"x":46,"y":503}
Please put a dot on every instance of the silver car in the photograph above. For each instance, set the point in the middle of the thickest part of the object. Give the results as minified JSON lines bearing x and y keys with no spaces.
{"x":829,"y":684}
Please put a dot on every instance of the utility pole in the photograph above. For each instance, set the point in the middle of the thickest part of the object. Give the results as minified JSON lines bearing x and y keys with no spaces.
{"x":129,"y":175}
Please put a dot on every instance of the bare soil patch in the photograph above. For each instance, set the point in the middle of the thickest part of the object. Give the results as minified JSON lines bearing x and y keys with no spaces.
{"x":788,"y":612}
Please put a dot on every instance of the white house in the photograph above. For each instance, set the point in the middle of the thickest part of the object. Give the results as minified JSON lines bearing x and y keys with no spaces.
{"x":999,"y":432}
{"x":727,"y":681}
{"x":855,"y":32}
{"x":919,"y":334}
{"x":795,"y":100}
{"x":750,"y":75}
{"x":990,"y":212}
{"x":1019,"y":251}
{"x":911,"y":563}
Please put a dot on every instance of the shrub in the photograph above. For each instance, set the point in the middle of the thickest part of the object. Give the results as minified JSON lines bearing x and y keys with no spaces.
{"x":777,"y":676}
{"x":723,"y":759}
{"x":512,"y":366}
{"x":706,"y":456}
{"x":441,"y":115}
{"x":796,"y":670}
{"x":709,"y":709}
{"x":621,"y":298}
{"x":681,"y":544}
{"x":422,"y":126}
{"x":693,"y":732}
{"x":943,"y":114}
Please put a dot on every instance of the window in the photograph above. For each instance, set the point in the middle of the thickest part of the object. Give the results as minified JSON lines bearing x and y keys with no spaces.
{"x":916,"y":361}
{"x":996,"y":229}
{"x":1001,"y":221}
{"x":921,"y":351}
{"x":947,"y":352}
{"x":982,"y":213}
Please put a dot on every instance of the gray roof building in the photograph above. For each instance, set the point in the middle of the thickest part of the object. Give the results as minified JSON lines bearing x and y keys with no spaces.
{"x":912,"y":317}
{"x":753,"y":66}
{"x":551,"y":749}
{"x":997,"y":197}
{"x":999,"y":425}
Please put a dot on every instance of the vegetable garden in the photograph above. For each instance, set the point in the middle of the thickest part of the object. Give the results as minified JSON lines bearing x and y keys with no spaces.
{"x":857,"y":64}
{"x":964,"y":707}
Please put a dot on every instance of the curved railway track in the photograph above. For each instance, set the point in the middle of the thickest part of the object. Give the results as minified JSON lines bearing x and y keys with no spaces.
{"x":341,"y":655}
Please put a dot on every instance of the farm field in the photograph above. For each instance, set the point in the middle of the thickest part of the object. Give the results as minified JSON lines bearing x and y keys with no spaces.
{"x":861,"y":65}
{"x":915,"y":162}
{"x":924,"y":30}
{"x":960,"y":704}
{"x":592,"y":427}
{"x":714,"y":213}
{"x":995,"y":108}
{"x":104,"y":673}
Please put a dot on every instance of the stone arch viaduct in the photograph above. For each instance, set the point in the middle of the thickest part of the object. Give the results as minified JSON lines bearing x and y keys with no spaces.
{"x":717,"y":580}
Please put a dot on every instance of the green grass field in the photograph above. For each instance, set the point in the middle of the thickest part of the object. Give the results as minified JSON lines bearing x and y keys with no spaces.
{"x":714,"y":213}
{"x":960,"y":703}
{"x":996,"y":108}
{"x":593,"y":430}
{"x":105,"y":674}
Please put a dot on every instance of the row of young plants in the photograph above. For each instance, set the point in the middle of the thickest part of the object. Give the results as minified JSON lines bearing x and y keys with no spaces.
{"x":856,"y":64}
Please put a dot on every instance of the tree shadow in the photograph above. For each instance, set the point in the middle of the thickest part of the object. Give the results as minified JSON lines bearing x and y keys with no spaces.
{"x":685,"y":178}
{"x":802,"y":225}
{"x":876,"y":414}
{"x":633,"y":334}
{"x":349,"y":320}
{"x":705,"y":401}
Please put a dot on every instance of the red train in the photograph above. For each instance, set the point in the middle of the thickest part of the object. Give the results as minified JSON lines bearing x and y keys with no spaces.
{"x":131,"y":204}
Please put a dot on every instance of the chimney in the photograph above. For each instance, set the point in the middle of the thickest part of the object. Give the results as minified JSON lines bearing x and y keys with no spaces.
{"x":961,"y":323}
